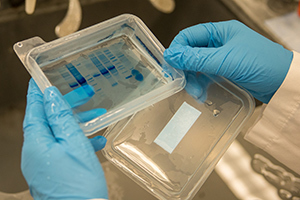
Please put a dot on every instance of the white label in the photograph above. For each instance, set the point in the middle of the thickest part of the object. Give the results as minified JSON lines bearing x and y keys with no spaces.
{"x":177,"y":127}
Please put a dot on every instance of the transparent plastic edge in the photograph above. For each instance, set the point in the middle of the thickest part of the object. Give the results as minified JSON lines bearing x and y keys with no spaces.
{"x":158,"y":94}
{"x":141,"y":181}
{"x":224,"y":143}
{"x":235,"y":127}
{"x":147,"y":31}
{"x":73,"y":36}
{"x":23,"y":50}
{"x":35,"y":71}
{"x":139,"y":104}
{"x":36,"y":44}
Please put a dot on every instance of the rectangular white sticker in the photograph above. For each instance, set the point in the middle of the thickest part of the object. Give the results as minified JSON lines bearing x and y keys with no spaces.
{"x":177,"y":127}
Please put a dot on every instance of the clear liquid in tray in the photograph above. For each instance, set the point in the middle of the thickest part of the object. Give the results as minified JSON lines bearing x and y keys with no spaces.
{"x":117,"y":71}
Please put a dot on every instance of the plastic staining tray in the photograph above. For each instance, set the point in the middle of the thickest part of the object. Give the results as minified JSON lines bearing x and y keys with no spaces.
{"x":171,"y":147}
{"x":116,"y":66}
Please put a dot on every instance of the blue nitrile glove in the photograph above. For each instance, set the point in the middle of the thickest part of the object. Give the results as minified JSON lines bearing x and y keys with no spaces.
{"x":197,"y":85}
{"x":58,"y":160}
{"x":80,"y":96}
{"x":234,"y":51}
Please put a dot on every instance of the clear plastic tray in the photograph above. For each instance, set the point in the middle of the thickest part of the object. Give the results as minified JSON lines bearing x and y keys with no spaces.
{"x":115,"y":67}
{"x":171,"y":147}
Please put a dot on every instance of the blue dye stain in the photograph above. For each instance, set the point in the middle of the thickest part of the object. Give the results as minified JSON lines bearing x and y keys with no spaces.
{"x":114,"y":84}
{"x":134,"y":72}
{"x":148,"y":50}
{"x":72,"y":85}
{"x":111,"y":68}
{"x":128,"y":77}
{"x":107,"y":37}
{"x":80,"y":79}
{"x":103,"y":71}
{"x":137,"y":75}
{"x":96,"y":62}
{"x":96,"y":75}
{"x":100,"y":67}
{"x":102,"y":57}
{"x":127,"y":26}
{"x":167,"y":74}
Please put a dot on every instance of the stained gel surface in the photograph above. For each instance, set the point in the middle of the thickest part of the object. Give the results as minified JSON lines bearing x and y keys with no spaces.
{"x":105,"y":76}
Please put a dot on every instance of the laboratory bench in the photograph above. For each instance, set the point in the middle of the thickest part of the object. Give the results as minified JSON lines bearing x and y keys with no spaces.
{"x":16,"y":25}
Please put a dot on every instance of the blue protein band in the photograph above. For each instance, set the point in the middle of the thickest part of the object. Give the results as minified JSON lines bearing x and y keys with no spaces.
{"x":177,"y":127}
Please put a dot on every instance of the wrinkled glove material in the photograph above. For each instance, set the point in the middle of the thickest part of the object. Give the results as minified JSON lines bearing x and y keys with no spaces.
{"x":232,"y":50}
{"x":58,"y":160}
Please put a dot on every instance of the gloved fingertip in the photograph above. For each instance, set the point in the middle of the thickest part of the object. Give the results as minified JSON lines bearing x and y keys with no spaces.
{"x":31,"y":82}
{"x":194,"y":90}
{"x":167,"y":53}
{"x":79,"y":96}
{"x":55,"y":105}
{"x":98,"y":142}
{"x":33,"y":87}
{"x":173,"y":55}
{"x":174,"y":50}
{"x":53,"y":94}
{"x":91,"y":114}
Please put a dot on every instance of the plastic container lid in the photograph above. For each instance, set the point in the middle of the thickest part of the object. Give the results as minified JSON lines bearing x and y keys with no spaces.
{"x":171,"y":147}
{"x":113,"y":74}
{"x":105,"y":72}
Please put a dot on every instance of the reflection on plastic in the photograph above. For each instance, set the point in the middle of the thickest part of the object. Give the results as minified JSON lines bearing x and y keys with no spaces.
{"x":137,"y":156}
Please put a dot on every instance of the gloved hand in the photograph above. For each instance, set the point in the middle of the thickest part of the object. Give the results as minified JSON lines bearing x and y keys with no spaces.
{"x":234,"y":51}
{"x":58,"y":160}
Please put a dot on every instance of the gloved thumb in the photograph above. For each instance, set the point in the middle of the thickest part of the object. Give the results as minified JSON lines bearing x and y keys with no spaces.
{"x":98,"y":142}
{"x":197,"y":59}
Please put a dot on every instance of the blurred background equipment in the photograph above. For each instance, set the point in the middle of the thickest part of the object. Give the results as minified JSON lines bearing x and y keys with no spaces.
{"x":165,"y":18}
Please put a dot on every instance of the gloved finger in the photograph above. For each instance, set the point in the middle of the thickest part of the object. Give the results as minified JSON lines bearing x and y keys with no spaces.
{"x":206,"y":60}
{"x":60,"y":117}
{"x":90,"y":114}
{"x":98,"y":142}
{"x":35,"y":123}
{"x":201,"y":35}
{"x":197,"y":85}
{"x":79,"y":96}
